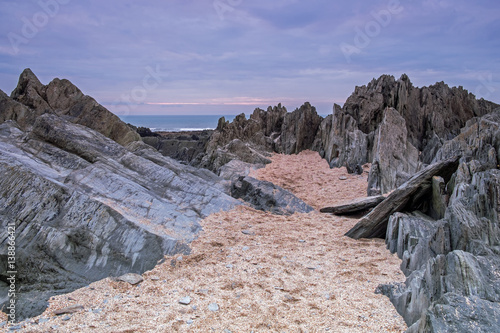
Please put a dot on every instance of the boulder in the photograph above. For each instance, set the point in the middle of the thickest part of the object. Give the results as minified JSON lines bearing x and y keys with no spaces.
{"x":266,"y":196}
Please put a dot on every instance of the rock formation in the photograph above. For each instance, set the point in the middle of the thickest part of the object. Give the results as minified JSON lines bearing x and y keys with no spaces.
{"x":452,"y":263}
{"x":391,"y":122}
{"x":62,"y":98}
{"x":85,"y":206}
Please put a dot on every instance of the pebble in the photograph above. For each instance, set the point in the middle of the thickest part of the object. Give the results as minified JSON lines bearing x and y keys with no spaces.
{"x":66,"y":318}
{"x":13,"y":328}
{"x":194,"y":307}
{"x":189,"y":322}
{"x":245,"y":248}
{"x":301,"y":241}
{"x":248,"y":232}
{"x":185,"y":300}
{"x":69,"y":309}
{"x":131,"y":278}
{"x":214,"y":307}
{"x":96,"y":310}
{"x":343,"y":178}
{"x":229,"y":266}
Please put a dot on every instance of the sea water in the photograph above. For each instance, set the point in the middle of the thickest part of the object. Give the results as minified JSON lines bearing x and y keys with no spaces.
{"x":169,"y":123}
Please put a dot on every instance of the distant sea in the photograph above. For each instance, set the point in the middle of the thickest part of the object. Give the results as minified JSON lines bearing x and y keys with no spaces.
{"x":175,"y":123}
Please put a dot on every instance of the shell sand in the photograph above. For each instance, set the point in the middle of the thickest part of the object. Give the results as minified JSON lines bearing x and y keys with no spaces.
{"x":253,"y":271}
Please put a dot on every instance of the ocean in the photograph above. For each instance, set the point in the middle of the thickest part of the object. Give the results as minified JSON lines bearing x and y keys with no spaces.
{"x":175,"y":123}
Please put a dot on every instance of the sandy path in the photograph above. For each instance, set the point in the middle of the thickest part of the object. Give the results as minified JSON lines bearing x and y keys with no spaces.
{"x":266,"y":273}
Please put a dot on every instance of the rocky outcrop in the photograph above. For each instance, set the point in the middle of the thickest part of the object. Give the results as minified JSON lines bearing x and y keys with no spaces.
{"x":84,"y":205}
{"x":299,"y":130}
{"x":420,"y":121}
{"x":63,"y":98}
{"x":452,"y":260}
{"x":396,"y":127}
{"x":252,"y":140}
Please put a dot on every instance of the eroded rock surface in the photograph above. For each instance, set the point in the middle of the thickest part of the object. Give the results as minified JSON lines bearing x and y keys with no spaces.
{"x":452,"y":263}
{"x":85,"y":206}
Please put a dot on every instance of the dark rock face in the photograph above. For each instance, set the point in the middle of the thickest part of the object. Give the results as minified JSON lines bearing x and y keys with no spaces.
{"x":299,"y":129}
{"x":63,"y":98}
{"x":452,"y":263}
{"x":182,"y":146}
{"x":421,"y":120}
{"x":86,"y":207}
{"x":266,"y":196}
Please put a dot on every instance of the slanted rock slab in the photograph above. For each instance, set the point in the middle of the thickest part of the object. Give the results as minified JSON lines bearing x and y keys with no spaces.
{"x":354,"y":206}
{"x":374,"y":224}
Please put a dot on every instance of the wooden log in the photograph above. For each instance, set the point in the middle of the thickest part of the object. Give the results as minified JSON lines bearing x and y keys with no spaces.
{"x":354,"y":206}
{"x":374,"y":224}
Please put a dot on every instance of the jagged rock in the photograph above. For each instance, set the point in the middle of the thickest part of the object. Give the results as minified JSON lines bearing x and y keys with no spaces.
{"x":340,"y":142}
{"x":299,"y":130}
{"x":375,"y":223}
{"x":252,"y":140}
{"x":456,"y":313}
{"x":87,"y":208}
{"x":354,"y":206}
{"x":266,"y":196}
{"x":436,"y":109}
{"x":440,"y":198}
{"x":395,"y":159}
{"x":479,"y":140}
{"x":428,"y":117}
{"x":451,"y":263}
{"x":63,"y":98}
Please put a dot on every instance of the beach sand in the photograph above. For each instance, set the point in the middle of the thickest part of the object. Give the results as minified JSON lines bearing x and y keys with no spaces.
{"x":265,"y":273}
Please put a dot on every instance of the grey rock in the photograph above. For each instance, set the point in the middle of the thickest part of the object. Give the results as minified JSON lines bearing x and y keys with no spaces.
{"x":214,"y":307}
{"x":131,"y":278}
{"x":86,"y":207}
{"x":354,"y":206}
{"x":69,"y":309}
{"x":299,"y":129}
{"x":185,"y":300}
{"x":408,"y":195}
{"x":63,"y":98}
{"x":393,"y":155}
{"x":266,"y":196}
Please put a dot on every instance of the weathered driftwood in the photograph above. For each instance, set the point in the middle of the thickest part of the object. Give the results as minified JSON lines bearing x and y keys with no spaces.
{"x":354,"y":206}
{"x":374,"y":224}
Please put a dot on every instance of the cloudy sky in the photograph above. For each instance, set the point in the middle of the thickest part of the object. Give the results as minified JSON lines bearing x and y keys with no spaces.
{"x":231,"y":56}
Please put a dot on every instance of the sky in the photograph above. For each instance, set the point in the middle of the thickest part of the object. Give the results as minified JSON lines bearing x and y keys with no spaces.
{"x":231,"y":56}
